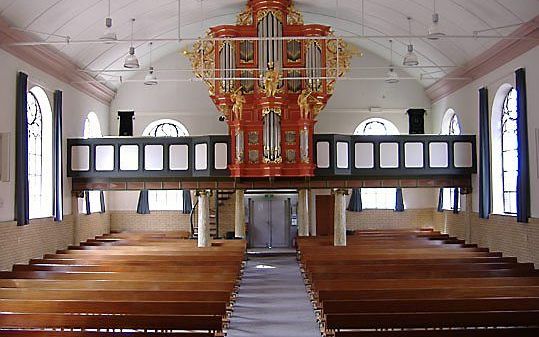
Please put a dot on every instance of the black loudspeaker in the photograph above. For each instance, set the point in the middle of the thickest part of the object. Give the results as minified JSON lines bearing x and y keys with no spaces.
{"x":416,"y":121}
{"x":126,"y":123}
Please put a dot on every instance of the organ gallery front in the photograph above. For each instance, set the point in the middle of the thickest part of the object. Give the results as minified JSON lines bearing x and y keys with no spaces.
{"x":270,"y":75}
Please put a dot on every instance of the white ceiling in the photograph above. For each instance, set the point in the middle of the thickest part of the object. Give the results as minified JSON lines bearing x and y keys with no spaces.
{"x":84,"y":20}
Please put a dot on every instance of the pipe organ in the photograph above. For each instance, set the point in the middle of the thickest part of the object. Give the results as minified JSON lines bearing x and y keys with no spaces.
{"x":270,"y":75}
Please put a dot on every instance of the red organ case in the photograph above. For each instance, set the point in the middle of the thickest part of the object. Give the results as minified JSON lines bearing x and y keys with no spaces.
{"x":256,"y":70}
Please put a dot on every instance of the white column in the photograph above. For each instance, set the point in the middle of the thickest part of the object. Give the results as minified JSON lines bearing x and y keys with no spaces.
{"x":239,"y":215}
{"x":203,"y":219}
{"x":303,"y":212}
{"x":468,"y":217}
{"x":312,"y":212}
{"x":76,"y":219}
{"x":339,"y":219}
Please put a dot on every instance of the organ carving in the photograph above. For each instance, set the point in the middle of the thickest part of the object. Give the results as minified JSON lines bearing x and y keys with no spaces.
{"x":271,"y":75}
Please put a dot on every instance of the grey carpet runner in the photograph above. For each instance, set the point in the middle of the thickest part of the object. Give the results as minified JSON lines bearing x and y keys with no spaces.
{"x":272,"y":301}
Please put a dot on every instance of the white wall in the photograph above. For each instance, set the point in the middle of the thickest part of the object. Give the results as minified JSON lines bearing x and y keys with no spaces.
{"x":466,"y":103}
{"x":189,"y":102}
{"x":76,"y":106}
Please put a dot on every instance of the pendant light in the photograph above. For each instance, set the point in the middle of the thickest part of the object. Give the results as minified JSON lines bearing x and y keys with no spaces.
{"x":151,"y":77}
{"x":434,"y":32}
{"x":410,"y":59}
{"x":392,"y":77}
{"x":109,"y":35}
{"x":131,"y":61}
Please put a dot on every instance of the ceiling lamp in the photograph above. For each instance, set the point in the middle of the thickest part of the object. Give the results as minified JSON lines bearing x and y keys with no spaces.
{"x":434,"y":30}
{"x":131,"y":61}
{"x":392,"y":77}
{"x":151,"y":77}
{"x":410,"y":59}
{"x":109,"y":35}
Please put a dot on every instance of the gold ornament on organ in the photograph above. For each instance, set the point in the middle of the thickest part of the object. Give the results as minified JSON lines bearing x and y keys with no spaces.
{"x":271,"y":85}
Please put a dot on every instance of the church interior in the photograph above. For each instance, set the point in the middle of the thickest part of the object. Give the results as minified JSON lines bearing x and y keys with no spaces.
{"x":269,"y":168}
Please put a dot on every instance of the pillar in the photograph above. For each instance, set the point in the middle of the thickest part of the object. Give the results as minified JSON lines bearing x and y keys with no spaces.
{"x":312,"y":212}
{"x":303,"y":212}
{"x":468,"y":217}
{"x":239,"y":215}
{"x":339,"y":219}
{"x":76,"y":218}
{"x":203,"y":219}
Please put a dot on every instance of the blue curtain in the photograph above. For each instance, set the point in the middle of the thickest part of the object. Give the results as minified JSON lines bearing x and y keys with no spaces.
{"x":58,"y":178}
{"x":143,"y":206}
{"x":523,"y":180}
{"x":456,"y":200}
{"x":355,"y":204}
{"x":87,"y":202}
{"x":440,"y":201}
{"x":484,"y":155}
{"x":187,"y":202}
{"x":399,"y":201}
{"x":102,"y":201}
{"x":22,"y":196}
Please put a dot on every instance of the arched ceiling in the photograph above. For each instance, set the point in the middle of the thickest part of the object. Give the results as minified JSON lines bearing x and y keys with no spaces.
{"x":158,"y":19}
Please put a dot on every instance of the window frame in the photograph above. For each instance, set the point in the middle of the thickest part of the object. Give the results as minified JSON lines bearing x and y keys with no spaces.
{"x":41,"y":203}
{"x":155,"y":195}
{"x":506,"y":117}
{"x":372,"y":196}
{"x":448,"y":128}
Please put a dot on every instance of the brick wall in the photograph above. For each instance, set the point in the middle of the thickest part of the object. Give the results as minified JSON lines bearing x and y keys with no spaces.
{"x":387,"y":219}
{"x":170,"y":220}
{"x":155,"y":221}
{"x":18,"y":244}
{"x":499,"y":233}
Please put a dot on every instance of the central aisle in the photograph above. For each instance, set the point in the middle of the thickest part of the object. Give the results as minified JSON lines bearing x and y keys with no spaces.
{"x":272,"y":301}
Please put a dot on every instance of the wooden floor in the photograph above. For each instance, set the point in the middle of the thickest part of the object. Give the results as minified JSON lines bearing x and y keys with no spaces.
{"x":124,"y":284}
{"x":418,"y":283}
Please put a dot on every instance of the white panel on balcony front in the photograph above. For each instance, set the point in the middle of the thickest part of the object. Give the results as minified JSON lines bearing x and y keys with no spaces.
{"x":438,"y":153}
{"x":201,"y":157}
{"x":322,"y":155}
{"x":104,"y":158}
{"x":179,"y":157}
{"x":80,"y":158}
{"x":389,"y":155}
{"x":413,"y":155}
{"x":463,"y":154}
{"x":364,"y":155}
{"x":221,"y":156}
{"x":128,"y":157}
{"x":153,"y":158}
{"x":342,"y":155}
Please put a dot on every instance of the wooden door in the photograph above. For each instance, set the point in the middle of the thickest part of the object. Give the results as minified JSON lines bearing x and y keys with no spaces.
{"x":325,"y":207}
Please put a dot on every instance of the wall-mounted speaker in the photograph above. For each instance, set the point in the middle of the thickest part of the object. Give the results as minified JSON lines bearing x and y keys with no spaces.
{"x":416,"y":121}
{"x":126,"y":123}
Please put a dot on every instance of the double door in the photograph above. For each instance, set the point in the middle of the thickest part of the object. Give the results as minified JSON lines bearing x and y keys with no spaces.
{"x":270,"y":222}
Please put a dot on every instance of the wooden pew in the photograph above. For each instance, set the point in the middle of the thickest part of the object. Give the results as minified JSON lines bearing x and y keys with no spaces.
{"x":142,"y":284}
{"x":417,"y":283}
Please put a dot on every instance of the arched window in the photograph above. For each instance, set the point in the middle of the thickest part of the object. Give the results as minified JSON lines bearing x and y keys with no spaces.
{"x":450,"y":126}
{"x":504,"y":151}
{"x":165,"y":128}
{"x":377,"y":198}
{"x":171,"y":200}
{"x":92,"y":129}
{"x":39,"y":114}
{"x":509,"y":152}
